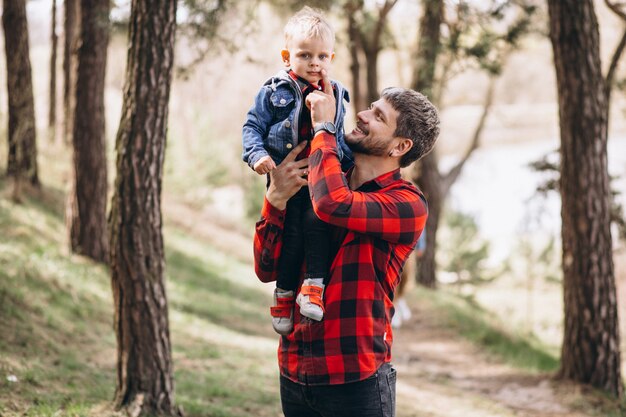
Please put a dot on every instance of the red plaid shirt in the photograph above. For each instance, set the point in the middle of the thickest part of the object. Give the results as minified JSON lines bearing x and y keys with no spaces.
{"x":376,"y":228}
{"x":304,"y":118}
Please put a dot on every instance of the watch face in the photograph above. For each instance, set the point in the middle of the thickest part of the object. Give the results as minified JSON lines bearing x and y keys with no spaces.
{"x":327,"y":126}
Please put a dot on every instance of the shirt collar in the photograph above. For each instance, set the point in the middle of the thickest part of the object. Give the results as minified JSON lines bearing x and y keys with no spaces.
{"x":379,"y":182}
{"x":304,"y":85}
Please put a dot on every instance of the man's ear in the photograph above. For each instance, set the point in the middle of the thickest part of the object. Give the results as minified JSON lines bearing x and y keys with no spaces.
{"x":284,"y":53}
{"x":402,"y":147}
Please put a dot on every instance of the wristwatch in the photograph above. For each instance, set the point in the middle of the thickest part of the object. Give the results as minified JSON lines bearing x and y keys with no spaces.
{"x":327,"y":126}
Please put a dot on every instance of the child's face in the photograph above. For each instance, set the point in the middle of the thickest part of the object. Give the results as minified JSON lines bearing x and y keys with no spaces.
{"x":308,"y":56}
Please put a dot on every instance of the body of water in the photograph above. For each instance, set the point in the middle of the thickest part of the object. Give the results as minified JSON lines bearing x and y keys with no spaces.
{"x":498,"y":188}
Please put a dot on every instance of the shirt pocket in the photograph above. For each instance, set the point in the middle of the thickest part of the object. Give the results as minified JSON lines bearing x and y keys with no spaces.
{"x":283,"y":102}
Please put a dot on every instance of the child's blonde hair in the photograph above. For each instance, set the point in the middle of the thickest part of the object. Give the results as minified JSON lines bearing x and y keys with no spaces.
{"x":310,"y":23}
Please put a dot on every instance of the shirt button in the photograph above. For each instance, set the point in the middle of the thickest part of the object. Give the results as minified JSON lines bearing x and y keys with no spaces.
{"x":289,"y":146}
{"x":283,"y":101}
{"x":287,"y":124}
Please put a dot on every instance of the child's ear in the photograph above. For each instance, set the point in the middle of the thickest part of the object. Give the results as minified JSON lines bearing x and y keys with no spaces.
{"x":284,"y":53}
{"x":332,"y":56}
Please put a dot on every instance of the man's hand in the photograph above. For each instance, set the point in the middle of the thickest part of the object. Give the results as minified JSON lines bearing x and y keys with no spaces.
{"x":322,"y":103}
{"x":264,"y":165}
{"x":287,"y":178}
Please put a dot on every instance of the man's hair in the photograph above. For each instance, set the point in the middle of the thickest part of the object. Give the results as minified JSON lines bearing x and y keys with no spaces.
{"x":310,"y":23}
{"x":418,"y":120}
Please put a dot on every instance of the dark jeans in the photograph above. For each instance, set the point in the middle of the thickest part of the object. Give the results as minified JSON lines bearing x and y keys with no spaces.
{"x":372,"y":397}
{"x":306,"y":237}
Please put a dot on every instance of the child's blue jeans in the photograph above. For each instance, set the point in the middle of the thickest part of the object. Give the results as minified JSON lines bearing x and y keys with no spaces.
{"x":305,"y":237}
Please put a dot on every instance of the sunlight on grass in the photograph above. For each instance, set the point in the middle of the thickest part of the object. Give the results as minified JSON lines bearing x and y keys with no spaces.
{"x":207,"y":332}
{"x":58,"y":341}
{"x":484,"y":329}
{"x":237,"y":272}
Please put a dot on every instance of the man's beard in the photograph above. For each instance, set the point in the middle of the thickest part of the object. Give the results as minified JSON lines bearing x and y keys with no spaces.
{"x":368,"y":146}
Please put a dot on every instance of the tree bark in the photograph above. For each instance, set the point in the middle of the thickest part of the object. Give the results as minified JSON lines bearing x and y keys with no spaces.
{"x":372,"y":47}
{"x":144,"y":364}
{"x":426,"y":173}
{"x":591,"y":343}
{"x":367,"y":42}
{"x":71,"y":29}
{"x":88,"y":199}
{"x":52,"y":109}
{"x":429,"y":181}
{"x":350,"y":8}
{"x":429,"y":45}
{"x":22,"y":155}
{"x":371,"y":77}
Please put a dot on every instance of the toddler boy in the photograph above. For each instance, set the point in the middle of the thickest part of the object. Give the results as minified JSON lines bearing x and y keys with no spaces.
{"x":276,"y":123}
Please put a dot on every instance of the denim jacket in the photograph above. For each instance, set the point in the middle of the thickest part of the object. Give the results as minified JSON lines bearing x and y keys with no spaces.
{"x":271,"y":126}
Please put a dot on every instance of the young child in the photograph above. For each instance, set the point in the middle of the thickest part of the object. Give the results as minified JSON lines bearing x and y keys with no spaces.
{"x":276,"y":123}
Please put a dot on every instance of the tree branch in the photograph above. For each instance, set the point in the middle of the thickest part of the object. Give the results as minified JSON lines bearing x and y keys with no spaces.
{"x":380,"y":24}
{"x":617,"y":54}
{"x":452,"y":175}
{"x":615,"y":8}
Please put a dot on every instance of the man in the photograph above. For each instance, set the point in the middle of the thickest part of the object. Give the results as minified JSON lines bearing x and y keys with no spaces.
{"x":402,"y":310}
{"x":340,"y":366}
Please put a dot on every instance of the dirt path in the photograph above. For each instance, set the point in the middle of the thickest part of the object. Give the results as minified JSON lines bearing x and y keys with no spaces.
{"x":441,"y":374}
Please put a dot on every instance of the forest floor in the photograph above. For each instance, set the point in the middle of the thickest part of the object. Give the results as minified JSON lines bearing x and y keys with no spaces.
{"x":440,"y":372}
{"x":58,"y":349}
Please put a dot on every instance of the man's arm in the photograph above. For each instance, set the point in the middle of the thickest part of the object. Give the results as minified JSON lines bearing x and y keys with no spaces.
{"x":285,"y":180}
{"x":397,"y":215}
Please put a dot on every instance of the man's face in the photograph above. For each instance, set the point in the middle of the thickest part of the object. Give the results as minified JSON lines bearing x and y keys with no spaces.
{"x":373,"y":134}
{"x":308,"y":56}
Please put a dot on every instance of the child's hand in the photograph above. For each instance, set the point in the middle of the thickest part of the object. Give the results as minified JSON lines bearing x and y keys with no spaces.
{"x":264,"y":165}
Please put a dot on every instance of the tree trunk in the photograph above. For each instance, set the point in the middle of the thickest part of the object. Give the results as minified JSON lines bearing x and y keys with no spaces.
{"x":52,"y":109}
{"x":144,"y":364}
{"x":355,"y":64}
{"x":366,"y":41}
{"x":429,"y":181}
{"x":71,"y":28}
{"x":22,"y":155}
{"x":590,"y":351}
{"x":371,"y":63}
{"x":426,"y":172}
{"x":88,"y":199}
{"x":429,"y":45}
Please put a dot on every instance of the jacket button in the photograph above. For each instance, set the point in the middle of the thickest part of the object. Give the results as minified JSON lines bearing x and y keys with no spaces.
{"x":289,"y":146}
{"x":283,"y":101}
{"x":287,"y":124}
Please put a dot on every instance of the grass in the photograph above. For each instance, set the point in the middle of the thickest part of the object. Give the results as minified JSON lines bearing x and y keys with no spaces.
{"x":463,"y":316}
{"x":51,"y":303}
{"x":57,"y":338}
{"x":468,"y":319}
{"x":56,"y":323}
